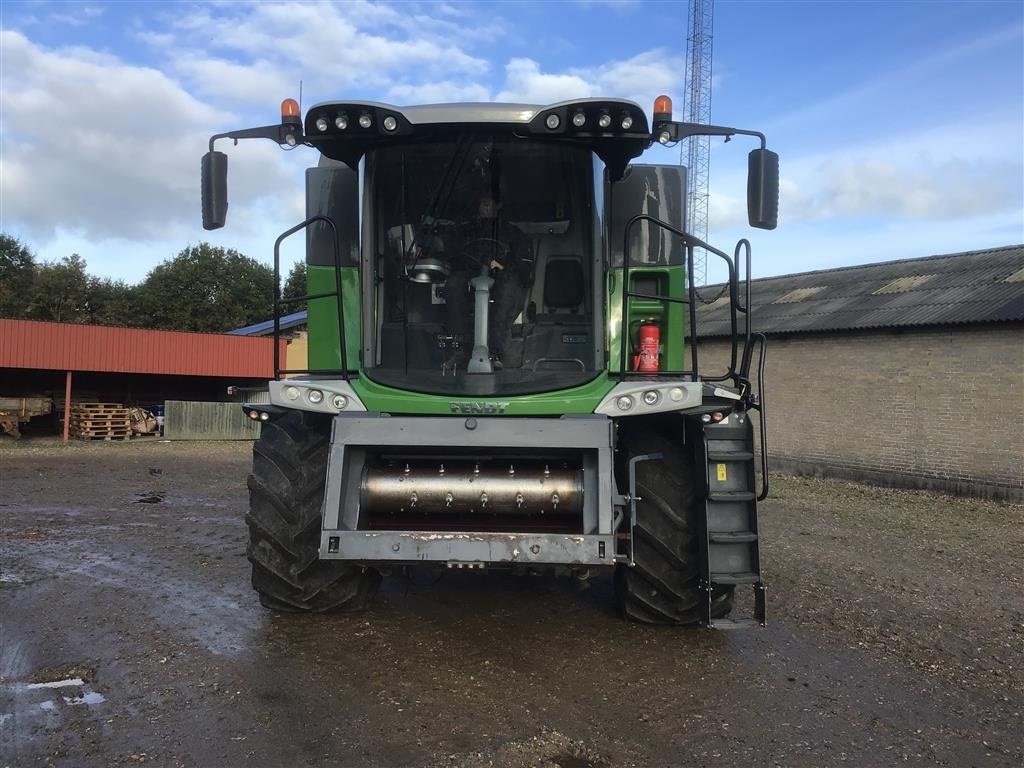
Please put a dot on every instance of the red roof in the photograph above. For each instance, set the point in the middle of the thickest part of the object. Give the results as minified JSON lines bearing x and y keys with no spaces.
{"x":70,"y":347}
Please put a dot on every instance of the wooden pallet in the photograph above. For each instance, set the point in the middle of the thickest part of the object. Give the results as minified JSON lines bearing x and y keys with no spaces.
{"x":100,"y":421}
{"x":101,"y":434}
{"x":111,"y":421}
{"x":98,"y":409}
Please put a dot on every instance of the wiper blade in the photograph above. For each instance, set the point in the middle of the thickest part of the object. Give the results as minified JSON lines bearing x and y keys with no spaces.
{"x":446,"y":187}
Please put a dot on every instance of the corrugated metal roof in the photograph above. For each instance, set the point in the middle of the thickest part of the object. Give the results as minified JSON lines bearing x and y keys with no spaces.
{"x":267,"y":326}
{"x":951,"y":289}
{"x":70,"y":347}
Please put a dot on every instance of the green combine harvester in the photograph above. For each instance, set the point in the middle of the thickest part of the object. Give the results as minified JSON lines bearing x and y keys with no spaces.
{"x":503,"y":371}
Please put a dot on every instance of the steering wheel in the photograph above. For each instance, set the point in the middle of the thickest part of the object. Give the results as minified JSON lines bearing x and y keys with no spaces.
{"x":484,"y":250}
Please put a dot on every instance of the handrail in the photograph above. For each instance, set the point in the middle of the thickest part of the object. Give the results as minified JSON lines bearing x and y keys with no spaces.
{"x":762,"y":411}
{"x":690,"y":242}
{"x":745,"y":307}
{"x":278,"y":301}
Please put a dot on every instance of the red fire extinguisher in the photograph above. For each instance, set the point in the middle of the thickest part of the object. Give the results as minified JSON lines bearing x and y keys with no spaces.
{"x":646,"y":360}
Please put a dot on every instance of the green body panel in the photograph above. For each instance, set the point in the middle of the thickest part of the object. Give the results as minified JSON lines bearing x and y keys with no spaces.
{"x":323,"y":345}
{"x":582,"y":399}
{"x":671,"y":316}
{"x":323,"y":318}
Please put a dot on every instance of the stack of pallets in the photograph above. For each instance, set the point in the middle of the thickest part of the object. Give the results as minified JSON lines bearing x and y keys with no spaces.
{"x":100,"y":421}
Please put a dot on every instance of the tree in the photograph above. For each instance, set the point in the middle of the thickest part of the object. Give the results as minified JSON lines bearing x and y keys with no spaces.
{"x":206,"y":288}
{"x":111,"y":302}
{"x":294,"y":287}
{"x":60,"y":291}
{"x":17,"y":274}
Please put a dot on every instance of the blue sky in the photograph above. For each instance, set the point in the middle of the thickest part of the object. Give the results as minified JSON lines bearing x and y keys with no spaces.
{"x":899,"y":124}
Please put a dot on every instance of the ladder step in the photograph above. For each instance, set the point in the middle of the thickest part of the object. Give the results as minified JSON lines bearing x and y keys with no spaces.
{"x":731,"y":537}
{"x":745,"y":577}
{"x":732,"y":496}
{"x":730,"y":456}
{"x":735,"y":623}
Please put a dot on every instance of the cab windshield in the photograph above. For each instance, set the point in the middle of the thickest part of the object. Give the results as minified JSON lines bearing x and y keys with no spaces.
{"x":483,"y":265}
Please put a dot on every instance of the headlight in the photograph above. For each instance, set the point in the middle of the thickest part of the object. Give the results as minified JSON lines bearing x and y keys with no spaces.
{"x":315,"y":396}
{"x":578,"y":120}
{"x":339,"y":402}
{"x":341,"y":122}
{"x":676,"y":394}
{"x":627,"y":123}
{"x":390,"y":123}
{"x":552,"y":122}
{"x":651,"y":397}
{"x":604,"y":121}
{"x":292,"y":393}
{"x":365,"y":120}
{"x":321,"y":124}
{"x":624,"y":403}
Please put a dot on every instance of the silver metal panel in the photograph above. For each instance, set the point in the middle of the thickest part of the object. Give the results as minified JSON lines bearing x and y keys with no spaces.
{"x":466,"y":112}
{"x":480,"y":112}
{"x":457,"y":431}
{"x":353,"y":434}
{"x":469,"y":548}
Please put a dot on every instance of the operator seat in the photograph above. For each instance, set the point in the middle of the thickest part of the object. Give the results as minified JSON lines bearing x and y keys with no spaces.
{"x":564,"y":288}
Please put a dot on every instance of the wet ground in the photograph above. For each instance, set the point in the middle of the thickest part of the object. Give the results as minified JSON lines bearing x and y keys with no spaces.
{"x":130,"y":636}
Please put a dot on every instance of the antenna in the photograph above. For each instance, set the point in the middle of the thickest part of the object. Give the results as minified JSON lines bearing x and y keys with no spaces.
{"x":696,"y":151}
{"x":300,"y":95}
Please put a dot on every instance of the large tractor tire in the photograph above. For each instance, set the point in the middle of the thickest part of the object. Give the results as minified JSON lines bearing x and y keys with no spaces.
{"x":664,"y":585}
{"x":286,"y":489}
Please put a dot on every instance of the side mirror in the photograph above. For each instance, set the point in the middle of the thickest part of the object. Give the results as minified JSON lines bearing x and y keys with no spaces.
{"x":763,"y":189}
{"x":215,"y":189}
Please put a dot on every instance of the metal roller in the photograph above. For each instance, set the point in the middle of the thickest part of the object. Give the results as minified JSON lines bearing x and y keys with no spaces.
{"x":467,"y":488}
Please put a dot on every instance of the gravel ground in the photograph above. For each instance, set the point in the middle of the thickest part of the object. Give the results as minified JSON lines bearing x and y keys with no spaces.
{"x":896,"y":635}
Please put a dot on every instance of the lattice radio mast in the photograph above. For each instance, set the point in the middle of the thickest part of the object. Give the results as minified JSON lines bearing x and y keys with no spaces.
{"x":695,"y":152}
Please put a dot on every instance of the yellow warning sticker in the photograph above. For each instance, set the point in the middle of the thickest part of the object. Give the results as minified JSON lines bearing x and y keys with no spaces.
{"x":721,"y":473}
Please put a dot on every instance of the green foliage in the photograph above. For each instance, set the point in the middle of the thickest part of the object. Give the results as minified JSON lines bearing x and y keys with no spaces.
{"x":294,"y":287}
{"x":206,"y":288}
{"x":60,"y":291}
{"x":203,"y":288}
{"x":111,"y":302}
{"x":17,"y":274}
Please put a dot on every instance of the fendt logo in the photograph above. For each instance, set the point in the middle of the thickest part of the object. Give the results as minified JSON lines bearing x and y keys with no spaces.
{"x":487,"y":409}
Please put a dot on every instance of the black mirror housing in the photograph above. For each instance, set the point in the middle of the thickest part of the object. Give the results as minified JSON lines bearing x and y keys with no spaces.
{"x":763,"y":189}
{"x":215,"y":189}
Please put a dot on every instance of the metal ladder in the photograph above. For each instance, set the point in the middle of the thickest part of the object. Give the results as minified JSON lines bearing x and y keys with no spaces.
{"x":729,"y":544}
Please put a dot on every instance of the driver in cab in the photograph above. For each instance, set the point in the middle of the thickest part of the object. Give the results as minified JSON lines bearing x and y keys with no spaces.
{"x":485,"y":245}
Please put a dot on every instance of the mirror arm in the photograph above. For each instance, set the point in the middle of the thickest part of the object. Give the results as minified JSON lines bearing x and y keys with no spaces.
{"x":276,"y":133}
{"x":678,"y":131}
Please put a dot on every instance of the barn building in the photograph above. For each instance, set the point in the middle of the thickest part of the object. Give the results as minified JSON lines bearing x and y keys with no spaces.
{"x":70,"y":362}
{"x":906,"y":373}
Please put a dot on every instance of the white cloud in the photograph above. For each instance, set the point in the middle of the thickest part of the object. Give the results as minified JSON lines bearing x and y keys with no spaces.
{"x":524,"y":82}
{"x":238,"y":84}
{"x":640,"y":78}
{"x":107,"y":150}
{"x":945,"y":190}
{"x":437,"y":93}
{"x":358,"y":47}
{"x":77,"y":16}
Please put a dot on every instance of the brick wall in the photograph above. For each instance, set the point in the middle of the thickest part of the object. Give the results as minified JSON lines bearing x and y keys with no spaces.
{"x":934,"y":408}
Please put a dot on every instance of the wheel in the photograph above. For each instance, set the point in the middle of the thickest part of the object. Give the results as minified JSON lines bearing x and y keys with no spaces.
{"x":286,"y":489}
{"x":664,"y":585}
